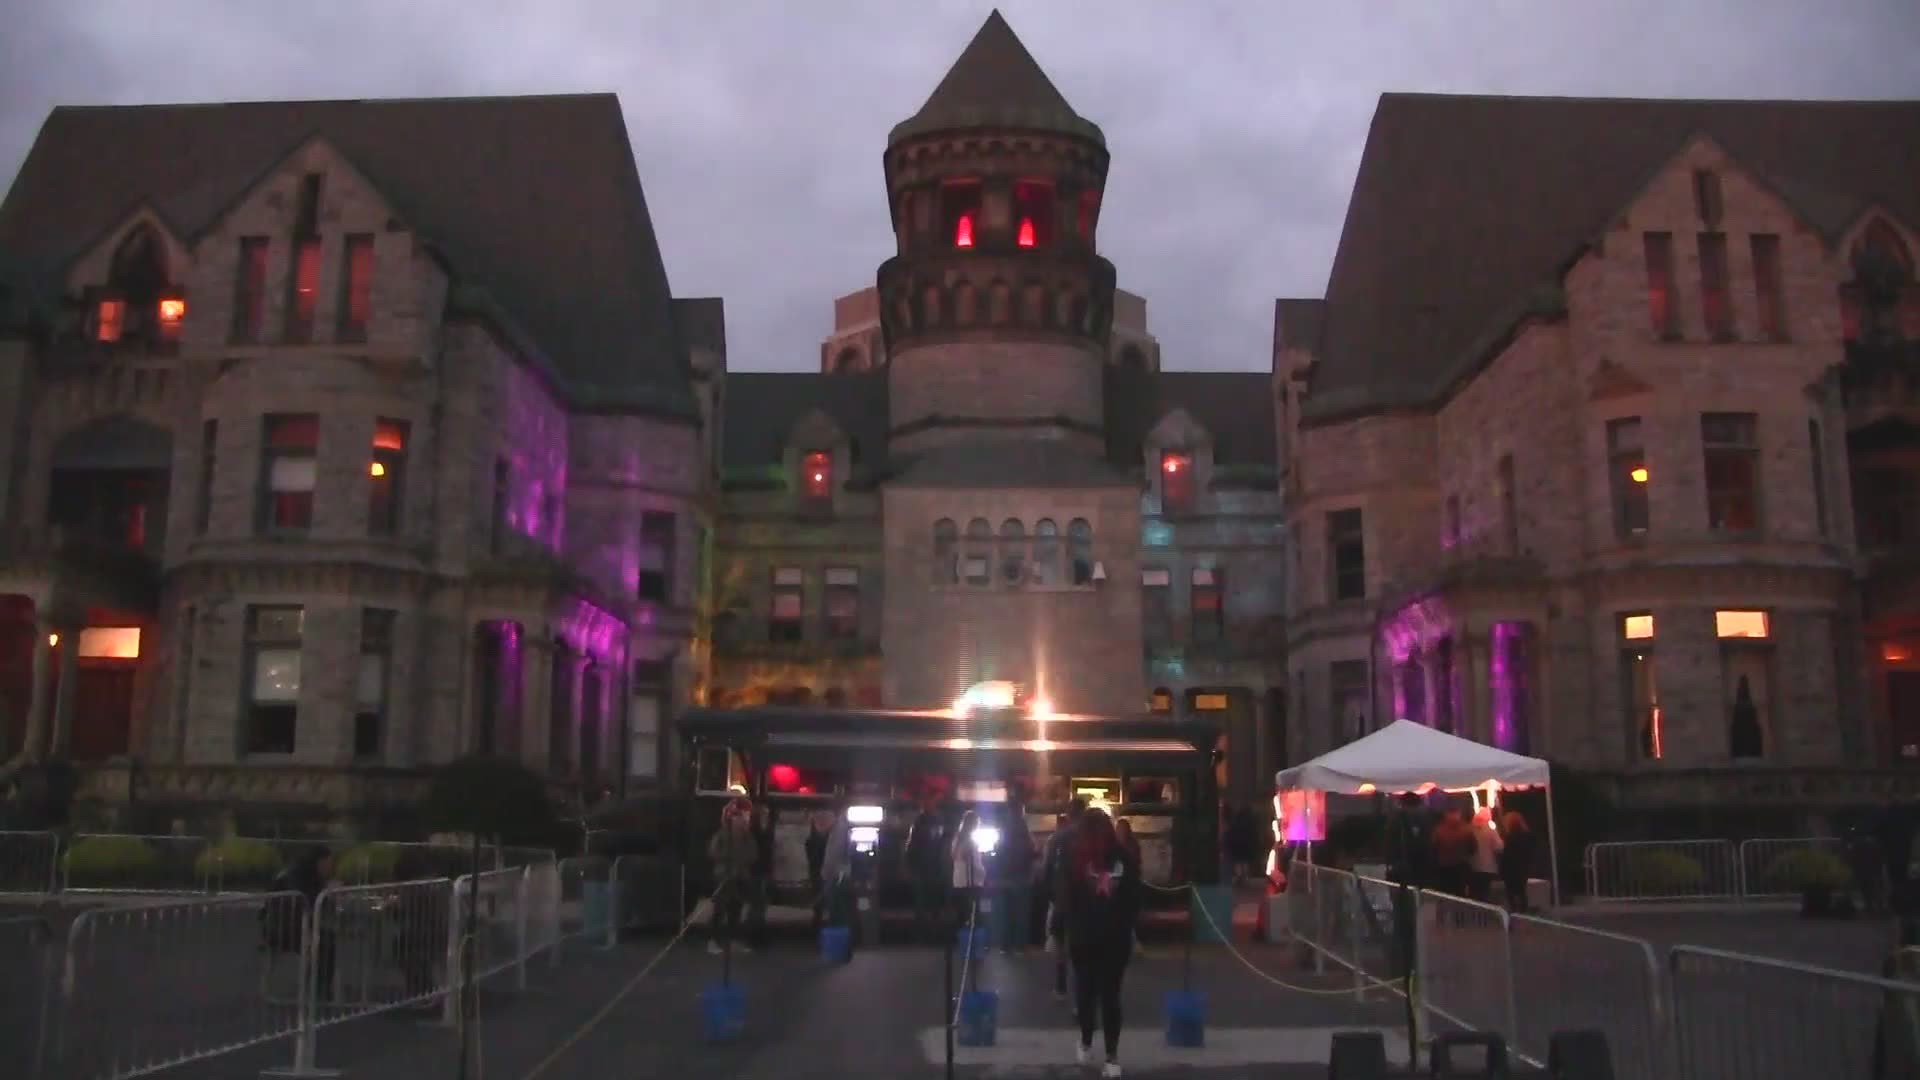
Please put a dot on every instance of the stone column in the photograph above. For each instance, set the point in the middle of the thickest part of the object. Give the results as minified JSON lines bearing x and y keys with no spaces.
{"x":536,"y":700}
{"x":63,"y":698}
{"x":40,"y":705}
{"x":1476,"y":691}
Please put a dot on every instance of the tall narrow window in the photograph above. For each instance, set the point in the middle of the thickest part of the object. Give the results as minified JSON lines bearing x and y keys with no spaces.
{"x":303,"y":290}
{"x":250,"y":290}
{"x":1768,"y":286}
{"x":1156,"y":604}
{"x":1347,"y":554}
{"x":289,"y":470}
{"x":1208,"y":602}
{"x":1706,"y":197}
{"x":1661,"y":310}
{"x":1509,"y":506}
{"x":1731,"y":447}
{"x":386,"y":474}
{"x":657,"y":529}
{"x":356,"y":288}
{"x":1628,"y":477}
{"x":109,"y":320}
{"x":1033,"y":209}
{"x":842,"y":603}
{"x":370,"y":688}
{"x":1013,"y":553}
{"x":1748,"y":674}
{"x":1817,"y":461}
{"x":1080,"y":550}
{"x":960,"y":212}
{"x":203,"y":498}
{"x":946,"y":552}
{"x":1176,"y":482}
{"x":1716,"y":308}
{"x":976,"y":564}
{"x":816,"y":479}
{"x":652,"y":689}
{"x":1639,"y":687}
{"x":306,"y":213}
{"x":273,"y":679}
{"x":498,"y":513}
{"x":787,"y":605}
{"x":1046,"y":552}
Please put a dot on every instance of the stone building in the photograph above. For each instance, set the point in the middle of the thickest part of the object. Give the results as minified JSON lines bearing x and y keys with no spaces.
{"x":344,"y":438}
{"x":1602,"y":445}
{"x":991,"y":476}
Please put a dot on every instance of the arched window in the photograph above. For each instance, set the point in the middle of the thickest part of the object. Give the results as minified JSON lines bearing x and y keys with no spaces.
{"x":1013,"y":553}
{"x":976,"y":562}
{"x":946,"y":555}
{"x":1080,"y":550}
{"x":1046,"y":553}
{"x":1882,"y":241}
{"x":1882,"y":275}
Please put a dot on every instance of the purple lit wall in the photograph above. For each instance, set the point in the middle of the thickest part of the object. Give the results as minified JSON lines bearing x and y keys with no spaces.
{"x":534,"y":443}
{"x":1507,"y":678}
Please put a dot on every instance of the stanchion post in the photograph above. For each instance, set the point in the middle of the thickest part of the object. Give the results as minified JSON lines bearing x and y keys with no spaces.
{"x":523,"y":946}
{"x":1354,"y":941}
{"x":614,"y":892}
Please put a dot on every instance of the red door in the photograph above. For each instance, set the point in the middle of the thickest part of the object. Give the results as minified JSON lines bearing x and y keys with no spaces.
{"x":102,"y":711}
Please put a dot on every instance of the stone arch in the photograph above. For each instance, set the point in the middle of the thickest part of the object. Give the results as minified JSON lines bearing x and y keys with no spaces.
{"x":117,"y":441}
{"x":999,"y":304}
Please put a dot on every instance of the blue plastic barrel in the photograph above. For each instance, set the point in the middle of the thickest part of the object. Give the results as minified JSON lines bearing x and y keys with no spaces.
{"x":723,"y":1013}
{"x":836,"y":944}
{"x":1186,"y":1012}
{"x":979,"y":1018}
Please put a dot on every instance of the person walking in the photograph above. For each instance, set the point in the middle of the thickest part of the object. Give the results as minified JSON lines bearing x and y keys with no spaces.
{"x":836,"y":870}
{"x":969,"y":871}
{"x":1453,"y":845}
{"x":927,"y":863}
{"x":309,"y":876}
{"x":732,"y":853}
{"x":1012,"y":871}
{"x":1123,"y":832}
{"x":1054,"y":873}
{"x":1483,"y":865}
{"x":1103,"y":883}
{"x":1517,"y":853}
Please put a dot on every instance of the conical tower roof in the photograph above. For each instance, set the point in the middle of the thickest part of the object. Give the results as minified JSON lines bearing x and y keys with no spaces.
{"x":996,"y":84}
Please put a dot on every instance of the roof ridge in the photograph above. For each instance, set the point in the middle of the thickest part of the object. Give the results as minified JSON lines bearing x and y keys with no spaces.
{"x":444,"y":99}
{"x":1605,"y":99}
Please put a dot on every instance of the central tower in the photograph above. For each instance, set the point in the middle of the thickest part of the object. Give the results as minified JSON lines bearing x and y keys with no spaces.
{"x":996,"y":306}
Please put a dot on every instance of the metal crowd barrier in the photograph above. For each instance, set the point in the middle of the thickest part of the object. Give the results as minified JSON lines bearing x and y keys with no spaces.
{"x":152,"y":865}
{"x":29,"y":863}
{"x":1756,"y":860}
{"x":1662,"y":870}
{"x":152,"y":986}
{"x":1739,"y":1017}
{"x":1466,"y":963}
{"x":501,"y":924}
{"x":584,"y":910}
{"x":1622,"y":992}
{"x":649,"y":894}
{"x":27,"y":951}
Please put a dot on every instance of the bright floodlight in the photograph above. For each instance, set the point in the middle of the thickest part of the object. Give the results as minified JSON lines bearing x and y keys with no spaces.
{"x":1040,"y":708}
{"x":866,"y":815}
{"x":986,"y":838}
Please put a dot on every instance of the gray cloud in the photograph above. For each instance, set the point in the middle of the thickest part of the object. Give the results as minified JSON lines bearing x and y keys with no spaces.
{"x":1235,"y":127}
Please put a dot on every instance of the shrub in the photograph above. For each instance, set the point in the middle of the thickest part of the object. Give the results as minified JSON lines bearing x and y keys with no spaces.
{"x":111,"y":862}
{"x":238,"y":862}
{"x":1799,"y":869}
{"x":1669,"y":873}
{"x":368,"y":864}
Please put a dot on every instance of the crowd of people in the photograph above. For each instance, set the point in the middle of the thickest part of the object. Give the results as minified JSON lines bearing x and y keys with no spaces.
{"x":1460,"y":855}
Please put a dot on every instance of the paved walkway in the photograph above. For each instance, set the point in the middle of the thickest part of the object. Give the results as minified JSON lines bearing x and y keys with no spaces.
{"x":881,"y":1015}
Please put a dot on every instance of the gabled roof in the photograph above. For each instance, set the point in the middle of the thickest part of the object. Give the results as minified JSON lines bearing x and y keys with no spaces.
{"x":1466,"y":210}
{"x":1236,"y":408}
{"x":762,"y":408}
{"x":996,"y":83}
{"x":534,"y":201}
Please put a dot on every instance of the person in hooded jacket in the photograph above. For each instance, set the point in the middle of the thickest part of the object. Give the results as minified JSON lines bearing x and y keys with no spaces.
{"x":309,"y":876}
{"x":1103,"y":886}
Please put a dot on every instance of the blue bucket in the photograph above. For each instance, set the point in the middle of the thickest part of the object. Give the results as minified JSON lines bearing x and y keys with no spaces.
{"x":979,"y":1018}
{"x":836,"y":944}
{"x":723,"y":1013}
{"x":974,"y":940}
{"x":1186,"y":1012}
{"x":596,"y":907}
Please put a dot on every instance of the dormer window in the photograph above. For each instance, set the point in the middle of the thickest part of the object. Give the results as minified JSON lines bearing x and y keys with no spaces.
{"x":960,"y":212}
{"x":173,"y":312}
{"x":109,"y":320}
{"x":816,"y":477}
{"x":1033,"y":209}
{"x":1176,"y":482}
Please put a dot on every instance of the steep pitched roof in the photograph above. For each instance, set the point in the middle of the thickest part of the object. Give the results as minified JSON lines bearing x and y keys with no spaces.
{"x":1236,"y":408}
{"x":996,"y":83}
{"x":1297,"y":323}
{"x":535,"y":202}
{"x":1466,"y":208}
{"x":762,"y":408}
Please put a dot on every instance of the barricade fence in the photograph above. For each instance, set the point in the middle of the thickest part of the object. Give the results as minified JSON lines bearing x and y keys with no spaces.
{"x":1739,"y":1017}
{"x":29,"y":862}
{"x":27,"y":952}
{"x":1623,"y":991}
{"x":1766,"y":868}
{"x":584,"y":909}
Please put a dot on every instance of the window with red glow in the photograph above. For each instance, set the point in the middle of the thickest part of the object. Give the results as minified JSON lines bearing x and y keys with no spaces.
{"x":250,"y":289}
{"x":802,"y":780}
{"x":172,"y":312}
{"x":1033,"y":208}
{"x":1660,"y":309}
{"x":289,"y":468}
{"x":1716,"y":307}
{"x":816,"y":476}
{"x":384,"y":472}
{"x":110,"y":320}
{"x":303,"y":291}
{"x":356,"y":288}
{"x":1176,"y":482}
{"x":960,"y":212}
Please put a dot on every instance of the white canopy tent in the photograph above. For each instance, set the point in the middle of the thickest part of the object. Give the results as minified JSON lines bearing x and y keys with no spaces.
{"x":1405,"y":756}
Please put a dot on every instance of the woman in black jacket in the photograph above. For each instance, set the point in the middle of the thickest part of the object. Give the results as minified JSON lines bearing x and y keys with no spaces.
{"x":1103,"y":885}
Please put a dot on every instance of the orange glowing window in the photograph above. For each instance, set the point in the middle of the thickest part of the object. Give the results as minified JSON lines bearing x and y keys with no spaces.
{"x":109,"y":320}
{"x":172,"y":311}
{"x":1637,"y":627}
{"x":110,"y":642}
{"x":1895,"y":653}
{"x":816,"y":475}
{"x":1209,"y":702}
{"x":387,"y":462}
{"x":1740,"y":624}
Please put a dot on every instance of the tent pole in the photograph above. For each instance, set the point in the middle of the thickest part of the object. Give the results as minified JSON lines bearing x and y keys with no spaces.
{"x":1553,"y":848}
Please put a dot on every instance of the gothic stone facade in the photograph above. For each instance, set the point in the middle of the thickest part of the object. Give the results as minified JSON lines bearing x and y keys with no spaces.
{"x":1602,"y":498}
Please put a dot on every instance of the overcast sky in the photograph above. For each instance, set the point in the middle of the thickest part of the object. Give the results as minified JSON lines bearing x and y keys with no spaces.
{"x":1235,"y":127}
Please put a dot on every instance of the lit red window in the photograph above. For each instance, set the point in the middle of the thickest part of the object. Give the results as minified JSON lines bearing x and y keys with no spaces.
{"x":305,"y":291}
{"x":963,"y":231}
{"x":1026,"y":234}
{"x":384,"y":471}
{"x":960,"y":212}
{"x":173,"y":312}
{"x":1033,"y":208}
{"x":291,"y":471}
{"x":110,"y":320}
{"x":1176,"y":482}
{"x":816,"y":475}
